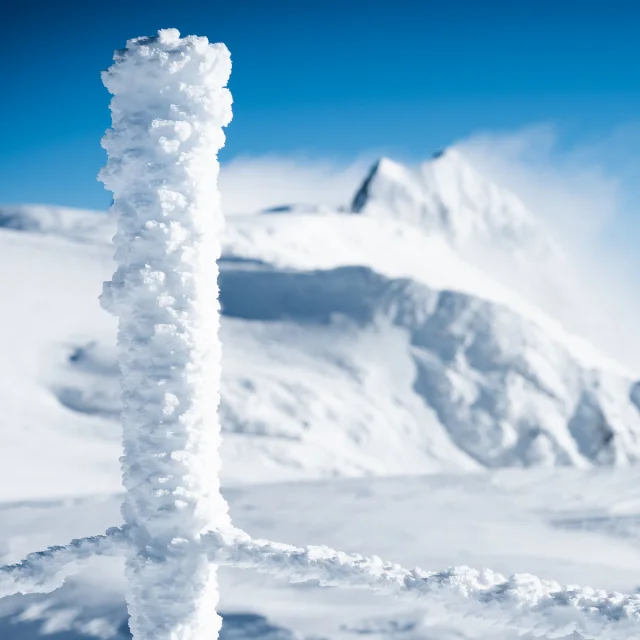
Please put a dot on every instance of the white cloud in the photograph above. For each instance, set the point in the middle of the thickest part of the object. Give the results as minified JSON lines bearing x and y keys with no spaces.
{"x":587,"y":195}
{"x":249,"y":184}
{"x":573,"y":193}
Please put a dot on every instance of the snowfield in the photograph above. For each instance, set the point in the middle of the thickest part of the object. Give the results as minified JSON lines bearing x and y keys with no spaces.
{"x":406,"y":334}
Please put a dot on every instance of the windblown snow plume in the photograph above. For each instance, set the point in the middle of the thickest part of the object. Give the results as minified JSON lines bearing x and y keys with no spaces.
{"x":169,"y":106}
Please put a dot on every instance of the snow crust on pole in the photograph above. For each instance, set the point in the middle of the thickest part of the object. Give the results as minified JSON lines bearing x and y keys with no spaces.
{"x":168,"y":108}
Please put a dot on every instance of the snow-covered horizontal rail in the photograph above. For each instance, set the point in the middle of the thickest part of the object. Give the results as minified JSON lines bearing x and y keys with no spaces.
{"x":522,"y":601}
{"x":45,"y":571}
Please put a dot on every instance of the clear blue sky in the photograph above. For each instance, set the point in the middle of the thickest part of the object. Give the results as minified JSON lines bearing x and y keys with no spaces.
{"x":329,"y":79}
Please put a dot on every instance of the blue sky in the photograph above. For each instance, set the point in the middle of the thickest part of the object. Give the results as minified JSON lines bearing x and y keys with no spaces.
{"x":327,"y":79}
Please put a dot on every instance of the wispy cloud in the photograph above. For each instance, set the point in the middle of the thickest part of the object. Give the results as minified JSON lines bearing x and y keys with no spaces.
{"x":574,"y":193}
{"x":249,"y":184}
{"x":587,"y":194}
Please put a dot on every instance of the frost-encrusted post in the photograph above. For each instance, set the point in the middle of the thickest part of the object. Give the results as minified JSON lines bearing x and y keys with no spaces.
{"x":168,"y":109}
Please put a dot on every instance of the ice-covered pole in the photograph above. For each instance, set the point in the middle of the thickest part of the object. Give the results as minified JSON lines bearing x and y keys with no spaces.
{"x":168,"y":108}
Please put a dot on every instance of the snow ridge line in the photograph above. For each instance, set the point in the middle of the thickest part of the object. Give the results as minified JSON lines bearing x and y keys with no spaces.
{"x":521,"y":601}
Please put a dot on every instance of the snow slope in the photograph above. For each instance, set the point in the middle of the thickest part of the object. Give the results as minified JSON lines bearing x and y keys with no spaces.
{"x":49,"y":288}
{"x":344,"y":371}
{"x":353,"y":345}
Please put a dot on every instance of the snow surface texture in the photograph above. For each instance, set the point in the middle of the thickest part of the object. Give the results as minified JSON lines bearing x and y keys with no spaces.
{"x":168,"y":109}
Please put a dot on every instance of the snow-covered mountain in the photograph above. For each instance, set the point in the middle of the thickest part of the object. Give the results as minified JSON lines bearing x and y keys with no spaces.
{"x":448,"y":196}
{"x":489,"y":226}
{"x":72,"y":224}
{"x":373,"y":340}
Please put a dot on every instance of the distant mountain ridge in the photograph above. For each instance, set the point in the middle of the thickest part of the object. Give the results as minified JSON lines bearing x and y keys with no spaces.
{"x":447,"y":195}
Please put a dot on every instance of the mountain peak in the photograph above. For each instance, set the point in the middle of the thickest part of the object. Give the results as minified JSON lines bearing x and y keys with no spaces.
{"x":382,"y":167}
{"x":447,"y":195}
{"x":392,"y":173}
{"x":446,"y":154}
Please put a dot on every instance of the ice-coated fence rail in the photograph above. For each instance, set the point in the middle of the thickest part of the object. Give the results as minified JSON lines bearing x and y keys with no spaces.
{"x":45,"y":571}
{"x":522,"y":602}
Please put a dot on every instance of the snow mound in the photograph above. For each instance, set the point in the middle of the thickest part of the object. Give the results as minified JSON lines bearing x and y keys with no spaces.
{"x":504,"y":390}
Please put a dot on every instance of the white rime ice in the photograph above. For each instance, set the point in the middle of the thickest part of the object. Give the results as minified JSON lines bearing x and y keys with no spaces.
{"x":522,"y":602}
{"x":168,"y":109}
{"x":44,"y":571}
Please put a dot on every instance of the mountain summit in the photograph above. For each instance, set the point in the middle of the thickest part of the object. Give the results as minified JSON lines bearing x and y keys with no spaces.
{"x":487,"y":226}
{"x":448,"y":196}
